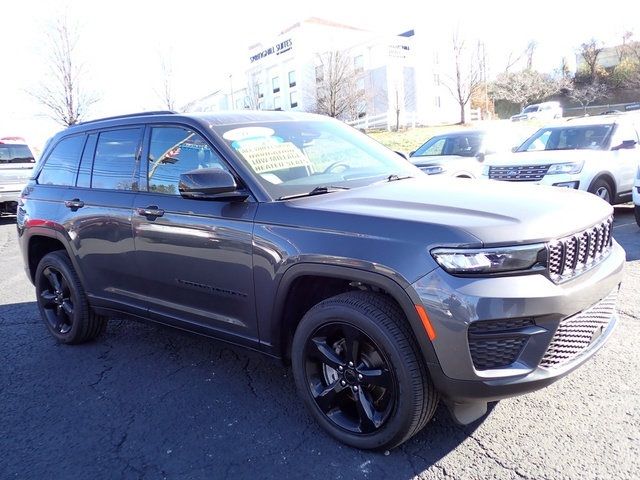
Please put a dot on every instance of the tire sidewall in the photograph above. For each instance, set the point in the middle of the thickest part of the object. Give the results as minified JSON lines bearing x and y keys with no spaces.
{"x":58,"y":262}
{"x":602,"y":183}
{"x":400,"y":419}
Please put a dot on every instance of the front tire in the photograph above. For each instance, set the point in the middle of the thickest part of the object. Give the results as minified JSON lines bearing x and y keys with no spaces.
{"x":602,"y":189}
{"x":359,"y":371}
{"x":636,"y":211}
{"x":62,"y":301}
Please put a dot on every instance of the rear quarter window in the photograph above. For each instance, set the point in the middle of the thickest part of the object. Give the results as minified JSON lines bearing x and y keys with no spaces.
{"x":114,"y":164}
{"x":61,"y":165}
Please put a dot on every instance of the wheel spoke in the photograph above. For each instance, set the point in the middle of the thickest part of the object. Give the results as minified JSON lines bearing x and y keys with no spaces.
{"x":352,"y":344}
{"x":366,"y":412}
{"x":48,"y":299}
{"x":54,"y":281}
{"x":324,"y":352}
{"x":67,"y":306}
{"x":327,"y":397}
{"x":59,"y":318}
{"x":376,"y":376}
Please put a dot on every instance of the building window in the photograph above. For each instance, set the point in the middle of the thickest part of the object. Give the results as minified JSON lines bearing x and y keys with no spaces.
{"x":260,"y":90}
{"x":436,"y":101}
{"x":260,"y":105}
{"x":358,"y":63}
{"x":362,"y":109}
{"x":293,"y":99}
{"x":292,"y":78}
{"x":360,"y":85}
{"x":436,"y":79}
{"x":276,"y":103}
{"x":319,"y":74}
{"x":275,"y":83}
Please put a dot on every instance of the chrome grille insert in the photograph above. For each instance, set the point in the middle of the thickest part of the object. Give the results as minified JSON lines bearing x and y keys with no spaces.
{"x":528,"y":173}
{"x":573,"y":255}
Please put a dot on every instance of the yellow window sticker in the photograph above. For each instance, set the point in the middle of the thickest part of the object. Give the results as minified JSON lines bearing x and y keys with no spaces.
{"x":267,"y":157}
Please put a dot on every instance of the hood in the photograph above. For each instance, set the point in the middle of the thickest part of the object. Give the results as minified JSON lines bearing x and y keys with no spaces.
{"x":495,"y":213}
{"x":542,"y":157}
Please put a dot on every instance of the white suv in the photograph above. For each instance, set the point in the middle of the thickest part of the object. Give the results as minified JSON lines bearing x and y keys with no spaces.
{"x":539,"y":111}
{"x":597,"y":154}
{"x":16,"y":165}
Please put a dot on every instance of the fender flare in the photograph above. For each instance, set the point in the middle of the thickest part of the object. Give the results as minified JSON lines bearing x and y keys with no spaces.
{"x":400,"y":293}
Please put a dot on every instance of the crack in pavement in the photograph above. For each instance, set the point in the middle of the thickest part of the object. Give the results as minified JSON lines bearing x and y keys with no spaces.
{"x":489,"y":454}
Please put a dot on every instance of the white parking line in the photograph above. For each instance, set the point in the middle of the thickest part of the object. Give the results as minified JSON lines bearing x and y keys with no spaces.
{"x":623,"y":225}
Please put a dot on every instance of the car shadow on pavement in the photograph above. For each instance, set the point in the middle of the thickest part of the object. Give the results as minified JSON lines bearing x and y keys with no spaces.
{"x":626,"y":232}
{"x":149,"y":401}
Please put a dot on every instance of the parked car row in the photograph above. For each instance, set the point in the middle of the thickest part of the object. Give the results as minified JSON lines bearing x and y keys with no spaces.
{"x":598,"y":154}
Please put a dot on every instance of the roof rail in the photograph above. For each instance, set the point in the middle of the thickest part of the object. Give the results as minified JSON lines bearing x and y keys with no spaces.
{"x":140,"y":114}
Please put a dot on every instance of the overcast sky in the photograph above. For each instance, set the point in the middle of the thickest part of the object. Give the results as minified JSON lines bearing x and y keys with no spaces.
{"x":122,"y":40}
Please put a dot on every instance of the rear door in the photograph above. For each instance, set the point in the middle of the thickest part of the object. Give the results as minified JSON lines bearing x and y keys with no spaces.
{"x":97,"y":216}
{"x":624,"y":161}
{"x":195,"y":256}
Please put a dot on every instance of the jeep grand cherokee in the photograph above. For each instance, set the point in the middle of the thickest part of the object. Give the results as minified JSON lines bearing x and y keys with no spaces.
{"x":300,"y":237}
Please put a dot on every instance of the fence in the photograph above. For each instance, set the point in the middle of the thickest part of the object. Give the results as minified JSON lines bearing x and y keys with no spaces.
{"x":598,"y":109}
{"x":385,"y":121}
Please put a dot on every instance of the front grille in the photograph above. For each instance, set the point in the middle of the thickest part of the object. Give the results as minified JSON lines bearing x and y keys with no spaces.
{"x":572,"y":255}
{"x":530,"y":173}
{"x":497,"y":343}
{"x":576,"y":333}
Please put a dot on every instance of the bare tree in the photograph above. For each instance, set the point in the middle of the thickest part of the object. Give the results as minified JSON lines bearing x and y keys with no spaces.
{"x":529,"y":51}
{"x":166,"y":92}
{"x":585,"y":95}
{"x":526,"y":86}
{"x":253,"y":93}
{"x":61,"y":91}
{"x":337,"y":93}
{"x":467,"y":74}
{"x":590,"y":51}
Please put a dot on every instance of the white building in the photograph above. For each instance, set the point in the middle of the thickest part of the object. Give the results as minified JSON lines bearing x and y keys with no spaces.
{"x":397,"y":75}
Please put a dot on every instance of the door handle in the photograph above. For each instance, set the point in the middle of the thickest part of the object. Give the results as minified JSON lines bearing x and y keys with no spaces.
{"x":150,"y":211}
{"x":74,"y":204}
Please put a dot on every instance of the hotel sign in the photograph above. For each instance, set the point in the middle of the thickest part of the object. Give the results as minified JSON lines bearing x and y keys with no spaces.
{"x":278,"y":49}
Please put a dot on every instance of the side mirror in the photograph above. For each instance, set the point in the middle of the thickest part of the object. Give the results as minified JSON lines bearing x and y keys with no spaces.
{"x":210,"y":184}
{"x":625,"y":145}
{"x":411,"y":153}
{"x":480,"y":156}
{"x":402,"y":154}
{"x":514,"y":149}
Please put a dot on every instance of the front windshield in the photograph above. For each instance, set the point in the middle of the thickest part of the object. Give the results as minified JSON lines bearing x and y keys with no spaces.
{"x":584,"y":137}
{"x":461,"y":145}
{"x":531,"y":108}
{"x":294,"y":157}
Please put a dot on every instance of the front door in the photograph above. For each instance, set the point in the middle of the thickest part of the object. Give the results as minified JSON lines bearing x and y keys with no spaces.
{"x":195,"y":255}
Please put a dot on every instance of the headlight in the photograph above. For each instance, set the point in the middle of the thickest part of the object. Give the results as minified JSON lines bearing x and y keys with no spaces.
{"x":573,"y":167}
{"x":485,"y":170}
{"x":433,"y":170}
{"x":490,"y":260}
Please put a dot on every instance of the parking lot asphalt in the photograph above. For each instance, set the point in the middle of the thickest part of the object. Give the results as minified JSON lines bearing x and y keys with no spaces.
{"x":144,"y":401}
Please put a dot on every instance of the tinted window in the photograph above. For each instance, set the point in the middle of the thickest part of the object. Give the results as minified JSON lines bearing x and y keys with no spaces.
{"x":592,"y":137}
{"x":84,"y":173}
{"x":463,"y":145}
{"x":175,"y":150}
{"x":15,"y":154}
{"x":62,"y":164}
{"x":435,"y":146}
{"x":115,"y":160}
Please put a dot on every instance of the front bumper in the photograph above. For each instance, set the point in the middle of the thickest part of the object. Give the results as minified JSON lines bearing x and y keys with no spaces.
{"x":534,"y":304}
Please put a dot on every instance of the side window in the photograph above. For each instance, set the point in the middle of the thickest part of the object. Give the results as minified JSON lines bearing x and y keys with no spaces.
{"x":62,"y":164}
{"x":176,"y":150}
{"x":114,"y":164}
{"x":624,"y":131}
{"x":432,"y":147}
{"x":84,"y":173}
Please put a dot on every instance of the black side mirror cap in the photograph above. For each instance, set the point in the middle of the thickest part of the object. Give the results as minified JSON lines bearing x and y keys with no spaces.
{"x":480,"y":156}
{"x":402,"y":154}
{"x":625,"y":145}
{"x":210,"y":184}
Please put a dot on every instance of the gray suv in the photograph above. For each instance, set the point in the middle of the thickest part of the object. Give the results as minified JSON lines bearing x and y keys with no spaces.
{"x":297,"y":236}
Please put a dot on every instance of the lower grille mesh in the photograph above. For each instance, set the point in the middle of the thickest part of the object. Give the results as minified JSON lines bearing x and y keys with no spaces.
{"x":576,"y":333}
{"x":497,"y":343}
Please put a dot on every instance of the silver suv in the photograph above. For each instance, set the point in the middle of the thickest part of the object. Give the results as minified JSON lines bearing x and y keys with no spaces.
{"x":16,"y":165}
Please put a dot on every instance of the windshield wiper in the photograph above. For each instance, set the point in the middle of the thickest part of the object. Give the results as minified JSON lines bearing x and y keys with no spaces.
{"x":316,"y":191}
{"x":394,"y":177}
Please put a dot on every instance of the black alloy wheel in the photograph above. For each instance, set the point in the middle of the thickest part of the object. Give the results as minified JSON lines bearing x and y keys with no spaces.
{"x":349,"y":378}
{"x":62,"y":301}
{"x":359,"y":370}
{"x":55,"y":300}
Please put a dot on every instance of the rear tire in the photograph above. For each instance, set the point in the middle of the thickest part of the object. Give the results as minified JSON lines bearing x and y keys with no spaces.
{"x":602,"y":189}
{"x":381,"y":399}
{"x":62,"y":301}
